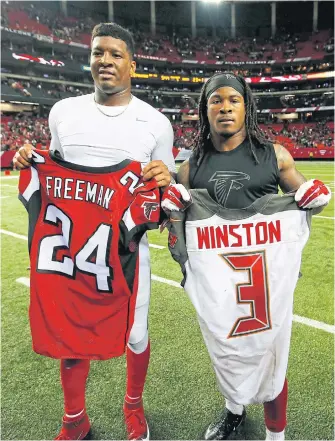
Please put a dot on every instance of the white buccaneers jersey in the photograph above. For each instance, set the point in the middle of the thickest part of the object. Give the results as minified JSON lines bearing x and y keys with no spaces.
{"x":241,"y":267}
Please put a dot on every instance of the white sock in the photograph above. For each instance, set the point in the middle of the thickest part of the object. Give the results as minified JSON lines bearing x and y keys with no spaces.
{"x":274,"y":436}
{"x":236,"y":409}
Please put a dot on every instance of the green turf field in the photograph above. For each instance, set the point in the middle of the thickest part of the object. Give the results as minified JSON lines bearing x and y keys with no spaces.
{"x":181,"y":397}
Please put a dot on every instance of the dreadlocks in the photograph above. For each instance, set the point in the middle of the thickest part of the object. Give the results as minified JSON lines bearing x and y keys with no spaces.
{"x":202,"y":141}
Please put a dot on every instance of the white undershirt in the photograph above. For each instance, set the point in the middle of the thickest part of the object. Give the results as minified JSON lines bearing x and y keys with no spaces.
{"x":85,"y":135}
{"x":111,"y":111}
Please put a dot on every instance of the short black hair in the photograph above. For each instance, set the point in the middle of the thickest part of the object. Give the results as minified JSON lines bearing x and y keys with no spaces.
{"x":116,"y":31}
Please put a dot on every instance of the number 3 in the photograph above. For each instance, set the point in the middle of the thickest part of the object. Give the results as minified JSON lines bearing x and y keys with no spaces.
{"x":91,"y":259}
{"x":256,"y":293}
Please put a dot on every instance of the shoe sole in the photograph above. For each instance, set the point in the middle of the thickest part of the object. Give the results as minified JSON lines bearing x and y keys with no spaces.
{"x":148,"y":432}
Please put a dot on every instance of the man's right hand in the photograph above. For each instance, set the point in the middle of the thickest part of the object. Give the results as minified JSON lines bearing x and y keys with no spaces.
{"x":22,"y":158}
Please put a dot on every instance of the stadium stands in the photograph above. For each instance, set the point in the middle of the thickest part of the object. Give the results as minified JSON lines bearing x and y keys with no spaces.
{"x":175,"y":49}
{"x":16,"y":131}
{"x":289,"y":73}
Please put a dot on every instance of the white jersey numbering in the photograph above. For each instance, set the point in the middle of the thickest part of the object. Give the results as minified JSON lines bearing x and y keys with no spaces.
{"x":241,"y":268}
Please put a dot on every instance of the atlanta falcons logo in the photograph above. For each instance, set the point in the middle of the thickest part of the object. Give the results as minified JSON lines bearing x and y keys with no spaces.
{"x":225,"y":181}
{"x":149,"y":207}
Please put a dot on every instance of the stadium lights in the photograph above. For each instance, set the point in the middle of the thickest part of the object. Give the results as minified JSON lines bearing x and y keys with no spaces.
{"x":212,"y":1}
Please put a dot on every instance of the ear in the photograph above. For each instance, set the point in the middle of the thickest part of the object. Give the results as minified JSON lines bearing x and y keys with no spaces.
{"x":132,"y":68}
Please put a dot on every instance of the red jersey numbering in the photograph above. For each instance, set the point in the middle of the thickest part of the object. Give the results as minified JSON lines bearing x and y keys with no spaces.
{"x":84,"y":225}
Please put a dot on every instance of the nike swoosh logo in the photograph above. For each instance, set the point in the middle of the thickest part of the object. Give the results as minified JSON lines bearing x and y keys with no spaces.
{"x":153,"y":197}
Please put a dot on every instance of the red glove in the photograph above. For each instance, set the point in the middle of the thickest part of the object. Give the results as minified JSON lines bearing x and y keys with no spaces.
{"x":312,"y":194}
{"x":176,"y":198}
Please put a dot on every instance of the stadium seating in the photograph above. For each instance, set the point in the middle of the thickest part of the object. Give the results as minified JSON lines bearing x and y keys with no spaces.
{"x":53,"y":26}
{"x":202,"y":49}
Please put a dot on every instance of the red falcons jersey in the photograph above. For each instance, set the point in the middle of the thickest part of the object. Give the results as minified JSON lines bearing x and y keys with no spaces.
{"x":85,"y":224}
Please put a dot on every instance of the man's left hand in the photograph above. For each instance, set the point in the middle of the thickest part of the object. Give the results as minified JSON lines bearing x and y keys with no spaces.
{"x":159,"y":171}
{"x":312,"y":194}
{"x":176,"y":198}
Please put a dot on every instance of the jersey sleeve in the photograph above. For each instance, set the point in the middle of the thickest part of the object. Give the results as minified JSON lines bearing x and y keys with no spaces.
{"x":163,"y":150}
{"x":143,"y":214}
{"x":30,"y":196}
{"x":29,"y":184}
{"x":177,"y":240}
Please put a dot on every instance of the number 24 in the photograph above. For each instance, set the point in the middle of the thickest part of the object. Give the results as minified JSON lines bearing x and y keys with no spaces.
{"x":98,"y":245}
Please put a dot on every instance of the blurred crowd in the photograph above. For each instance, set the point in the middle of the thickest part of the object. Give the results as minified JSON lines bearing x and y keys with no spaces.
{"x":22,"y":128}
{"x":184,"y":134}
{"x":290,"y":134}
{"x":33,"y":88}
{"x":155,"y":96}
{"x":68,"y":28}
{"x":256,"y":71}
{"x":220,"y":48}
{"x":217,"y":47}
{"x":306,"y":135}
{"x":79,"y":23}
{"x":170,"y":69}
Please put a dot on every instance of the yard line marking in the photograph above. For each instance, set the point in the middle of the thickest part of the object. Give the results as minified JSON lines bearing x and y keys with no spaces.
{"x":325,"y":217}
{"x":17,"y":236}
{"x":20,"y":236}
{"x":4,"y":197}
{"x":297,"y":318}
{"x":314,"y":324}
{"x":9,"y":177}
{"x":8,"y":185}
{"x":166,"y":281}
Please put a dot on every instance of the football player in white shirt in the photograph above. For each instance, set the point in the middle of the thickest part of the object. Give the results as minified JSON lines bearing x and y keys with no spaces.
{"x":231,"y":150}
{"x":101,"y":129}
